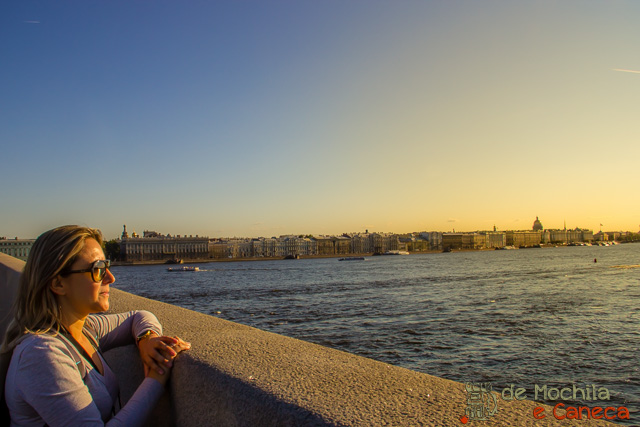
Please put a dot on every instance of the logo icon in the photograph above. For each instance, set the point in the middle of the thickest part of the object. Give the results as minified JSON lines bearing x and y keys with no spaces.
{"x":482,"y":404}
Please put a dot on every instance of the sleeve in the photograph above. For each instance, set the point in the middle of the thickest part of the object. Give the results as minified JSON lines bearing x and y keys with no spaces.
{"x":48,"y":380}
{"x":139,"y":407}
{"x":116,"y":330}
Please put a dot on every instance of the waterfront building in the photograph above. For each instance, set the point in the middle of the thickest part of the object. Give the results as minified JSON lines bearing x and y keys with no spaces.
{"x":258,"y":247}
{"x":523,"y":238}
{"x":587,"y":235}
{"x":342,"y":245}
{"x":310,"y":246}
{"x":463,"y":240}
{"x":434,"y":238}
{"x":361,"y":243}
{"x":281,"y":247}
{"x":330,"y":245}
{"x":262,"y":247}
{"x":629,"y":236}
{"x":554,"y":236}
{"x":218,"y":249}
{"x":291,"y":245}
{"x":298,"y":245}
{"x":411,"y":243}
{"x":324,"y":245}
{"x":273,"y":247}
{"x":161,"y":247}
{"x":610,"y":235}
{"x":601,"y":237}
{"x":494,"y":239}
{"x":239,"y":248}
{"x":565,"y":236}
{"x":17,"y":248}
{"x":614,"y":235}
{"x":384,"y":242}
{"x":452,"y":241}
{"x":477,"y":240}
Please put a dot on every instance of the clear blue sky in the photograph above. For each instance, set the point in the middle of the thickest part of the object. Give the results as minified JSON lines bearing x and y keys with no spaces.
{"x":261,"y":118}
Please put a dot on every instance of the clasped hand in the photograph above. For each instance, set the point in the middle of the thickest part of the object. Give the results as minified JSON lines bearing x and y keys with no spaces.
{"x":157,"y":353}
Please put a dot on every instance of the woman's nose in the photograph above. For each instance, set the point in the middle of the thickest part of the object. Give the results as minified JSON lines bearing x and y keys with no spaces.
{"x":108,"y":277}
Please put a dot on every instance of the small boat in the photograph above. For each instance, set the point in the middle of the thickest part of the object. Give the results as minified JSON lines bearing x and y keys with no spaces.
{"x":396,"y":253}
{"x":185,"y":268}
{"x":352,"y":258}
{"x":292,"y":257}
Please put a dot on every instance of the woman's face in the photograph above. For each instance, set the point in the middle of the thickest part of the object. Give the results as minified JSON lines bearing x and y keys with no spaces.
{"x":82,"y":294}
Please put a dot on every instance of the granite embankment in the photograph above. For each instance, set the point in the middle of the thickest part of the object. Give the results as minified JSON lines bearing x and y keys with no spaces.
{"x":236,"y":375}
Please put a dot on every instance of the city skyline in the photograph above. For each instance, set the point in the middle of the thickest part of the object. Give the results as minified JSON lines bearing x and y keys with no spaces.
{"x":261,"y":118}
{"x":108,"y":235}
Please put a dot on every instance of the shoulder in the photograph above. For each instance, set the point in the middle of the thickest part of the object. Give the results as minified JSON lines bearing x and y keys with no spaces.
{"x":41,"y":357}
{"x":39,"y":342}
{"x":42,"y":346}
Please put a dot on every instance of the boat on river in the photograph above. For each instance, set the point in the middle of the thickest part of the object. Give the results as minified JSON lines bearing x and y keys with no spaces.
{"x":396,"y":253}
{"x":352,"y":258}
{"x":185,"y":268}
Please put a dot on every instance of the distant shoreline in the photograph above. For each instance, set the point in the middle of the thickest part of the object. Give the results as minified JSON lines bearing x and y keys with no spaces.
{"x":210,"y":260}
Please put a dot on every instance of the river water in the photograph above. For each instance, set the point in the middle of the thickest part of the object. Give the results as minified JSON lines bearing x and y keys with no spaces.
{"x":546,"y":316}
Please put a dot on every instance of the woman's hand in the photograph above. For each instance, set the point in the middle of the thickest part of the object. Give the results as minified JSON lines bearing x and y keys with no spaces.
{"x":180,"y":345}
{"x":157,"y":354}
{"x":161,"y":378}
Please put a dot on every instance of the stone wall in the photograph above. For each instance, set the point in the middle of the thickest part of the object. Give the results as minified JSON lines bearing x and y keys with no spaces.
{"x":236,"y":375}
{"x":10,"y":269}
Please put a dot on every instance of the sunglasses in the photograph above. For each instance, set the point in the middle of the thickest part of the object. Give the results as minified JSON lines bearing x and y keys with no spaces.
{"x":98,"y":270}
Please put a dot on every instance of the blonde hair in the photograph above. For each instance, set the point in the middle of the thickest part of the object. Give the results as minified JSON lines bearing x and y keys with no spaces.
{"x":35,"y":308}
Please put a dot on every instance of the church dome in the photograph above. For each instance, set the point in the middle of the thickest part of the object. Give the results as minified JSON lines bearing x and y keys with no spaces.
{"x":537,"y":225}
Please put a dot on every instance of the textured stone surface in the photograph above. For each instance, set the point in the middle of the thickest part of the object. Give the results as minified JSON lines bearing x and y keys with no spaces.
{"x":10,"y":269}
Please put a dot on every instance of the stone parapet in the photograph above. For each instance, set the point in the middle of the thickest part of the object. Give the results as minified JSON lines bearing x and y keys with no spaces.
{"x":10,"y":270}
{"x":236,"y":375}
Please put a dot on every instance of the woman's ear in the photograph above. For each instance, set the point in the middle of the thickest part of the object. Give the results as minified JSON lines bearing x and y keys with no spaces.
{"x":57,"y":287}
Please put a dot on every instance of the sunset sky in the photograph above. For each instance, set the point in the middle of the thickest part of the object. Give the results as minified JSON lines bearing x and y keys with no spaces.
{"x":262,"y":118}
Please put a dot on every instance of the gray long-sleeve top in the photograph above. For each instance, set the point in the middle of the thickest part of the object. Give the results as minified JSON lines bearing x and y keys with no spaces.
{"x":44,"y":385}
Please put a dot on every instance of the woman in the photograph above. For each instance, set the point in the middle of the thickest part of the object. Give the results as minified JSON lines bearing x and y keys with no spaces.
{"x":57,"y":373}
